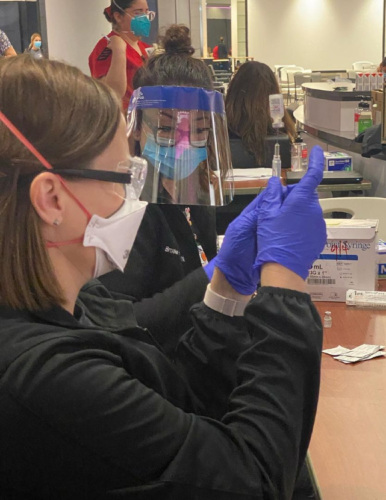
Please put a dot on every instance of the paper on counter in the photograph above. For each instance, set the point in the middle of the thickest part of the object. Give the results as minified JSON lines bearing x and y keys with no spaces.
{"x":246,"y":174}
{"x":351,"y":359}
{"x":336,"y":351}
{"x":361,"y":353}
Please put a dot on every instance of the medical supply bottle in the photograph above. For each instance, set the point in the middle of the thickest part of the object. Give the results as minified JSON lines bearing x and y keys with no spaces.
{"x":276,"y":109}
{"x":327,"y":320}
{"x":299,"y":155}
{"x":362,"y":117}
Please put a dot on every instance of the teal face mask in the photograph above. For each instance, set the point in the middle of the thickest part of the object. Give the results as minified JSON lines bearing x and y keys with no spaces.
{"x":177,"y":162}
{"x":140,"y":25}
{"x":38,"y":44}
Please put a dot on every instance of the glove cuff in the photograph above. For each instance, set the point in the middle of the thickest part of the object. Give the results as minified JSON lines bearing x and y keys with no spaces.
{"x":223,"y":305}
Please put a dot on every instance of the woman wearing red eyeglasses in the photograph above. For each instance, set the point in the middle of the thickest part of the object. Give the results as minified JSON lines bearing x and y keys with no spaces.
{"x":117,"y":56}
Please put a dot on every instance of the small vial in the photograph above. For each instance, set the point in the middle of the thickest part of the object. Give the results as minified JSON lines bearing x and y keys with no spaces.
{"x":327,"y":320}
{"x":276,"y":109}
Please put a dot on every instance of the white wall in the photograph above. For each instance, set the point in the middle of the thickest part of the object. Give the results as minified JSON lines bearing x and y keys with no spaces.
{"x":73,"y":29}
{"x":182,"y":12}
{"x":217,"y":13}
{"x":316,"y":34}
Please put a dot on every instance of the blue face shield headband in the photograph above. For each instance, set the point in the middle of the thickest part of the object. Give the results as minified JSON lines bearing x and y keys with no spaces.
{"x":182,"y":133}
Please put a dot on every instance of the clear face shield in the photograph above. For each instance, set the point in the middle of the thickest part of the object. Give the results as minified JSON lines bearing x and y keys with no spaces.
{"x":182,"y":134}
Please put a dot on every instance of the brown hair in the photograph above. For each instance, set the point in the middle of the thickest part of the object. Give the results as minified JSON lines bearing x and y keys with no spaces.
{"x":33,"y":36}
{"x":247,"y":107}
{"x":174,"y":66}
{"x":117,"y":6}
{"x":382,"y":64}
{"x":55,"y":106}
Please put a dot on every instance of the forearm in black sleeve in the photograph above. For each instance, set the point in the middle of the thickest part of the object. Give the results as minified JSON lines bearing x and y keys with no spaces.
{"x":166,"y":314}
{"x":272,"y":408}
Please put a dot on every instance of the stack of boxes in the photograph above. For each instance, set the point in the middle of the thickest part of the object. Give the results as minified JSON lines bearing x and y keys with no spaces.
{"x":349,"y":260}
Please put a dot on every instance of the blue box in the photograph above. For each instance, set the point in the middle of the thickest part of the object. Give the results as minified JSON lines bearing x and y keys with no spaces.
{"x":337,"y":160}
{"x":381,"y":252}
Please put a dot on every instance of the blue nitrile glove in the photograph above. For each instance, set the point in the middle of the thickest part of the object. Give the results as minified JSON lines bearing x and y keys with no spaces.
{"x":238,"y":251}
{"x":292,"y":231}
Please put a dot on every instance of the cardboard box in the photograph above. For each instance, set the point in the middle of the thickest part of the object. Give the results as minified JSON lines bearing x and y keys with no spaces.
{"x":381,"y":259}
{"x":337,"y":160}
{"x":377,"y":106}
{"x":349,"y":260}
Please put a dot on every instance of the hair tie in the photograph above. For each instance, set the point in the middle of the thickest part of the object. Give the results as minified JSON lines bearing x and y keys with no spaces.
{"x":108,"y":11}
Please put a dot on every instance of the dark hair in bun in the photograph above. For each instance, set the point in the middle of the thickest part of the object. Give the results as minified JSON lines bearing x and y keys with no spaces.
{"x":175,"y":66}
{"x":177,"y":40}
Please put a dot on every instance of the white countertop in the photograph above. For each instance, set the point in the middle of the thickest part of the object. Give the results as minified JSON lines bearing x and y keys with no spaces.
{"x":299,"y":116}
{"x":328,"y":86}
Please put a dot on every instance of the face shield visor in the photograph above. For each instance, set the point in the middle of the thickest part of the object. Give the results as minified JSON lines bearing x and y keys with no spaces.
{"x":182,"y":134}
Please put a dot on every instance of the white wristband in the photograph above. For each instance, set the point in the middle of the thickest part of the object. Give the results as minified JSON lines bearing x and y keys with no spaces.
{"x":223,"y":305}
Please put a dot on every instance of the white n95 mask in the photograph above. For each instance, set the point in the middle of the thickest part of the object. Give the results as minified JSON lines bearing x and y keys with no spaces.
{"x":113,"y":237}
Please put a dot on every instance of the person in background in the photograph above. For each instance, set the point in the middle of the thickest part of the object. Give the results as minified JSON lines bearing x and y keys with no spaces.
{"x":223,"y":53}
{"x":91,"y":407}
{"x":382,"y":66}
{"x":117,"y":56}
{"x":34,"y":48}
{"x":247,"y":109}
{"x":215,"y":52}
{"x":6,"y":49}
{"x":222,"y":49}
{"x":249,"y":123}
{"x":175,"y":241}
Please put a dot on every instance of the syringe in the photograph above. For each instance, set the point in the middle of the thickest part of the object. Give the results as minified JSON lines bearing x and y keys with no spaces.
{"x":276,"y":161}
{"x":276,"y":108}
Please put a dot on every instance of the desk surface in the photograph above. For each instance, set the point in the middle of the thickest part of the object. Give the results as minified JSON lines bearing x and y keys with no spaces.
{"x":348,"y":446}
{"x":257,"y":185}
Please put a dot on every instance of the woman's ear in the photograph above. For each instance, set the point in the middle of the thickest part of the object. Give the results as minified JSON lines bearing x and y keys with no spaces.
{"x":47,"y":197}
{"x":117,"y":18}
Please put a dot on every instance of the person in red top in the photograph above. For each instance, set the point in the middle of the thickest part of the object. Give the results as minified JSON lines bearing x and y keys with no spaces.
{"x":117,"y":56}
{"x":215,"y":52}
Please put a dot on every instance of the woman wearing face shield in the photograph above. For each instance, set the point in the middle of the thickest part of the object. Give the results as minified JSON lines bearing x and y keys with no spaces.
{"x":91,"y":407}
{"x":117,"y":56}
{"x":177,"y":237}
{"x":180,"y":128}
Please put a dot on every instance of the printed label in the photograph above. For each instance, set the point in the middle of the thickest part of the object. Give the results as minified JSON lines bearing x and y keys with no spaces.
{"x":339,"y":270}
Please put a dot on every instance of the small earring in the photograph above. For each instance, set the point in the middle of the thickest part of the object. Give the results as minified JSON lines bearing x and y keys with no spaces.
{"x":56,"y":222}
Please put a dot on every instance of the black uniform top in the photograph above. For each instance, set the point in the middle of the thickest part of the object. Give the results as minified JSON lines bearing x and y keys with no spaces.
{"x":222,"y":51}
{"x":165,"y":250}
{"x":96,"y":412}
